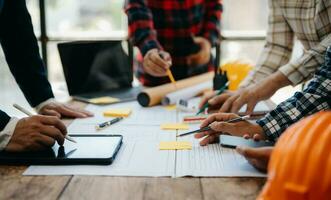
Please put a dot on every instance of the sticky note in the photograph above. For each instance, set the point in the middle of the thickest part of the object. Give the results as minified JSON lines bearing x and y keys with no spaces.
{"x":104,"y":100}
{"x":170,"y":107}
{"x":175,"y":145}
{"x":118,"y":112}
{"x":174,"y":126}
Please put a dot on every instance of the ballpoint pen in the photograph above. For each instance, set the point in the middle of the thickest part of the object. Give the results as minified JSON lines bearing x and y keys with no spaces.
{"x":108,"y":123}
{"x":23,"y":110}
{"x":208,"y":128}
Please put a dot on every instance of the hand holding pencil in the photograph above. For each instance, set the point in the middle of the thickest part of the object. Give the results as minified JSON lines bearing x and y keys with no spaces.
{"x":157,"y":63}
{"x":224,"y":123}
{"x":35,"y":133}
{"x":23,"y":110}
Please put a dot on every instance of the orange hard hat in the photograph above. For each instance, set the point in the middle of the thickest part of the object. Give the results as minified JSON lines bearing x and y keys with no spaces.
{"x":300,"y":165}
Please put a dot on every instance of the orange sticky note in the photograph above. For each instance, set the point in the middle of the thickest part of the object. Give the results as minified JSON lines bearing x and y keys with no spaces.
{"x":174,"y":126}
{"x":118,"y":112}
{"x":175,"y":145}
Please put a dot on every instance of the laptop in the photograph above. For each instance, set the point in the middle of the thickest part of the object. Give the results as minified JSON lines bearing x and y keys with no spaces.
{"x":98,"y":70}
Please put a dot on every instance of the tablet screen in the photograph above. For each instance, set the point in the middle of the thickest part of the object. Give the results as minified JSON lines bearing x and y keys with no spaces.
{"x":88,"y":147}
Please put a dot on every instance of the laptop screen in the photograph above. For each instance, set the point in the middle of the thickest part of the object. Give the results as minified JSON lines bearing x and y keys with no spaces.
{"x":94,"y":66}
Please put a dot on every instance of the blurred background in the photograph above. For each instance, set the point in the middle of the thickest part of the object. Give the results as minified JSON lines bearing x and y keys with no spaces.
{"x":244,"y":26}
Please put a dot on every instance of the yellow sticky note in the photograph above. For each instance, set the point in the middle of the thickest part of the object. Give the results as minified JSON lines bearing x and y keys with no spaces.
{"x":104,"y":100}
{"x":118,"y":112}
{"x":174,"y":126}
{"x":175,"y":145}
{"x":170,"y":107}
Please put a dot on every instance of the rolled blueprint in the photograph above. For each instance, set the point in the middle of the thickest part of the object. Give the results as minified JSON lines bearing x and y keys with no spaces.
{"x":153,"y":96}
{"x":186,"y":93}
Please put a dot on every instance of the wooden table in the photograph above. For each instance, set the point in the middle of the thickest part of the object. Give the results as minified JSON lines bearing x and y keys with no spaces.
{"x":15,"y":186}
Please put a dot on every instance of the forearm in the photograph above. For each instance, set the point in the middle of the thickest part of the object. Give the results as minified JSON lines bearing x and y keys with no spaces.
{"x":303,"y":68}
{"x":141,"y":27}
{"x":212,"y":18}
{"x":276,"y":81}
{"x":277,"y":49}
{"x":315,"y":98}
{"x":22,"y":53}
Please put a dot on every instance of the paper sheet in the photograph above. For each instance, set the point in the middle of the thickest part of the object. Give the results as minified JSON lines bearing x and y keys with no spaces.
{"x":212,"y":160}
{"x":140,"y":154}
{"x":140,"y":116}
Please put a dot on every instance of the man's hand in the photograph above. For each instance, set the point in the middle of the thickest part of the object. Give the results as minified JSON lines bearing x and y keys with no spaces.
{"x":251,"y":95}
{"x":61,"y":110}
{"x":218,"y":126}
{"x":215,"y":102}
{"x":203,"y":56}
{"x":258,"y":157}
{"x":36,"y":133}
{"x":157,"y":65}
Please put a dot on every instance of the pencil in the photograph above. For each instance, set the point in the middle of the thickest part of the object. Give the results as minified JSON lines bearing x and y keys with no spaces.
{"x":208,"y":128}
{"x":169,"y":73}
{"x":23,"y":110}
{"x":171,"y":77}
{"x":206,"y":105}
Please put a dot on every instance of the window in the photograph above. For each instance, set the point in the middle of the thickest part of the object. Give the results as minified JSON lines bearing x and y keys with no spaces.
{"x":103,"y":19}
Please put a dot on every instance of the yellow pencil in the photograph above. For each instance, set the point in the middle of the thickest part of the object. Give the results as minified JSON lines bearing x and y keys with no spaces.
{"x":171,"y":77}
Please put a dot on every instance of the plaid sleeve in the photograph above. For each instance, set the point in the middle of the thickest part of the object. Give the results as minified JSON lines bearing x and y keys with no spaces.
{"x":303,"y":68}
{"x":278,"y":48}
{"x":211,"y":29}
{"x":141,"y":27}
{"x":316,"y":97}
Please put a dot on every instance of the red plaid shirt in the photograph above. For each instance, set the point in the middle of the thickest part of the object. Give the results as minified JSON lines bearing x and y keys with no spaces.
{"x":167,"y":25}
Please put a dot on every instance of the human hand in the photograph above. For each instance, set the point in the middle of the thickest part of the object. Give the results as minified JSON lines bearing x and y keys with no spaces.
{"x":219,"y":126}
{"x":36,"y":133}
{"x":250,"y":95}
{"x":157,"y":65}
{"x":215,"y":101}
{"x":203,"y":56}
{"x":258,"y":157}
{"x":61,"y":110}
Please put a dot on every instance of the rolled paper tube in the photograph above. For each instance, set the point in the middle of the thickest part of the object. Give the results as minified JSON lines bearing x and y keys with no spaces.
{"x":154,"y":96}
{"x":186,"y":93}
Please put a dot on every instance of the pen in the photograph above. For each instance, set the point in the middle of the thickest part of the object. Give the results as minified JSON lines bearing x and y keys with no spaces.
{"x":220,"y":91}
{"x":208,"y":128}
{"x":108,"y":123}
{"x":23,"y":110}
{"x":169,"y":73}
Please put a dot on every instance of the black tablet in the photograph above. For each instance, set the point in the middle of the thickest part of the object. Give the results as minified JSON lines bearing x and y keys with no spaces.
{"x":234,"y":141}
{"x":89,"y":150}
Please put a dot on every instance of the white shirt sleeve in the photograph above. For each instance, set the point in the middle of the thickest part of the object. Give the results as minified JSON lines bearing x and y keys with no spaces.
{"x":7,"y":132}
